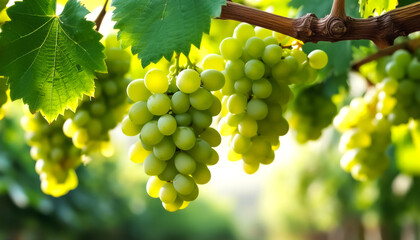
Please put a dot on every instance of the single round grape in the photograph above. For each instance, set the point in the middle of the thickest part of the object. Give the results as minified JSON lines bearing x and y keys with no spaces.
{"x":201,"y":99}
{"x":243,"y":32}
{"x":230,"y":48}
{"x":173,"y":206}
{"x":180,"y":102}
{"x":262,"y":32}
{"x":214,"y":158}
{"x":110,"y":88}
{"x":97,"y":108}
{"x":139,"y":113}
{"x":137,"y":153}
{"x":159,"y":104}
{"x":248,"y":127}
{"x":394,"y":70}
{"x":201,"y":151}
{"x":165,"y":149}
{"x":184,"y":184}
{"x":262,"y":88}
{"x":129,"y":128}
{"x":80,"y":138}
{"x":213,"y":80}
{"x":201,"y":119}
{"x":403,"y":57}
{"x":414,"y":69}
{"x":257,"y":109}
{"x":237,"y":103}
{"x":211,"y":136}
{"x":156,"y":81}
{"x":188,"y":81}
{"x":184,"y":138}
{"x":213,"y":61}
{"x":152,"y":166}
{"x":243,"y":85}
{"x":69,"y":128}
{"x":299,"y":55}
{"x":192,"y":196}
{"x":137,"y":91}
{"x":235,"y":69}
{"x":184,"y":163}
{"x":270,"y":40}
{"x":183,"y":119}
{"x":251,"y":168}
{"x":215,"y":107}
{"x":153,"y":186}
{"x":167,"y":124}
{"x":150,"y":133}
{"x":234,"y":119}
{"x":254,"y":69}
{"x":241,"y":144}
{"x":255,"y":47}
{"x":272,"y":54}
{"x":167,"y":193}
{"x":318,"y":59}
{"x":202,"y":174}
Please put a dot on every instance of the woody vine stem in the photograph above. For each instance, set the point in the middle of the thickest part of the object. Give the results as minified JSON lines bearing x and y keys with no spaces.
{"x":336,"y":26}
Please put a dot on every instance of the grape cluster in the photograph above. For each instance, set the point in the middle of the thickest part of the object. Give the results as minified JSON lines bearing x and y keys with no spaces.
{"x":56,"y":156}
{"x":89,"y":127}
{"x":173,"y":117}
{"x":3,"y":95}
{"x":400,"y":91}
{"x":366,"y":136}
{"x":366,"y":123}
{"x":258,"y":73}
{"x":312,"y":111}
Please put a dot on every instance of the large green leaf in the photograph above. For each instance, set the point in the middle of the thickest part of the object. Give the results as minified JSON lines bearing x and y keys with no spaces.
{"x":50,"y":60}
{"x":157,"y":28}
{"x":376,"y":7}
{"x":3,"y":4}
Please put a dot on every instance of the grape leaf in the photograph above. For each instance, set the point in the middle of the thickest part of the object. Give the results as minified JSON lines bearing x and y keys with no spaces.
{"x":157,"y":28}
{"x":3,"y":4}
{"x":376,"y":7}
{"x":50,"y":60}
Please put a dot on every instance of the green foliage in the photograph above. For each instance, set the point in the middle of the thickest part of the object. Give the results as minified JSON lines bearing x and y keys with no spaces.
{"x":156,"y":29}
{"x":374,"y":7}
{"x":3,"y":4}
{"x":50,"y":60}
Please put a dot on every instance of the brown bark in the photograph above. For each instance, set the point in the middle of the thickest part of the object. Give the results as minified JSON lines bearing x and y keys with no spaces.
{"x":335,"y":27}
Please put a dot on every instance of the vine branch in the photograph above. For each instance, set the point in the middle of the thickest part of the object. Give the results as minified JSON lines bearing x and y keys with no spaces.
{"x":101,"y":16}
{"x":334,"y":27}
{"x":411,"y":46}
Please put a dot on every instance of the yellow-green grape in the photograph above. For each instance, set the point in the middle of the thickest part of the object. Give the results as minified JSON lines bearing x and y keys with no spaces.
{"x":129,"y":128}
{"x":188,"y":81}
{"x":318,"y":59}
{"x":154,"y":184}
{"x":156,"y":81}
{"x":137,"y":153}
{"x":137,"y":90}
{"x":213,"y":61}
{"x":231,"y":49}
{"x":243,"y":32}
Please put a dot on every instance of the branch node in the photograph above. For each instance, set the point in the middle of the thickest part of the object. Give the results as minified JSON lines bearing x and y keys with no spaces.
{"x":336,"y":27}
{"x":304,"y":26}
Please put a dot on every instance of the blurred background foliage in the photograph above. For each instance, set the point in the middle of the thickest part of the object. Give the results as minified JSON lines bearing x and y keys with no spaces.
{"x":303,"y":195}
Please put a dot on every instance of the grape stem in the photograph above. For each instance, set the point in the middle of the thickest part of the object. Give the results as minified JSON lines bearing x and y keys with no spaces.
{"x":411,"y":45}
{"x":101,"y":16}
{"x":334,"y":27}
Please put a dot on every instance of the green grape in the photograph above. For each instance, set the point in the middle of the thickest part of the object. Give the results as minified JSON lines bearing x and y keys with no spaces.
{"x":80,"y":138}
{"x":153,"y":186}
{"x":129,"y":128}
{"x":183,"y":119}
{"x":235,"y":69}
{"x":270,"y":40}
{"x":81,"y":118}
{"x":414,"y":69}
{"x":248,"y":127}
{"x":395,"y":70}
{"x":230,"y":48}
{"x":202,"y":174}
{"x":183,"y":184}
{"x":192,"y":196}
{"x":156,"y":81}
{"x":402,"y":57}
{"x":243,"y":32}
{"x":262,"y":32}
{"x":214,"y":158}
{"x":272,"y":54}
{"x":137,"y":153}
{"x":159,"y":104}
{"x":254,"y":69}
{"x":234,"y":119}
{"x":237,"y":103}
{"x":173,"y":206}
{"x":150,"y":133}
{"x":243,"y":85}
{"x":180,"y":102}
{"x":152,"y":166}
{"x":165,"y":149}
{"x":188,"y":81}
{"x":139,"y":113}
{"x":201,"y":99}
{"x":98,"y":108}
{"x":184,"y":163}
{"x":241,"y":144}
{"x":184,"y":138}
{"x":213,"y":61}
{"x":137,"y":91}
{"x":251,"y":168}
{"x":299,"y":55}
{"x":215,"y":107}
{"x":213,"y":80}
{"x":201,"y":119}
{"x":201,"y":151}
{"x":255,"y":47}
{"x":167,"y":124}
{"x":110,"y":88}
{"x":167,"y":193}
{"x":211,"y":136}
{"x":169,"y":173}
{"x":257,"y":109}
{"x":262,"y":88}
{"x":318,"y":59}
